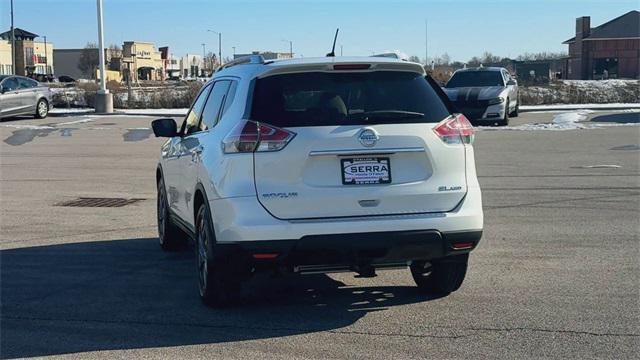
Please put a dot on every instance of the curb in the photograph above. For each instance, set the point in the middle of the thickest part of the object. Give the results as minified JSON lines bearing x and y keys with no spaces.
{"x":575,"y":107}
{"x":119,"y":113}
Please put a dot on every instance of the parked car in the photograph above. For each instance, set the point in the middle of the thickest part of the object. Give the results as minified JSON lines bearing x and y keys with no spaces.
{"x":20,"y":95}
{"x":320,"y":165}
{"x":484,"y":95}
{"x":66,"y":79}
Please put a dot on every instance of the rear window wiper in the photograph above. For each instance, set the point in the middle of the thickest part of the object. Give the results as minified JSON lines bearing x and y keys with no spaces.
{"x":389,"y":114}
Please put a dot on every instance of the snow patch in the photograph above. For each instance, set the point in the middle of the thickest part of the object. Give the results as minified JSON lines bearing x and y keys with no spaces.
{"x":75,"y":122}
{"x":150,"y":112}
{"x":562,"y":121}
{"x":602,"y":166}
{"x":29,"y":127}
{"x":182,"y":111}
{"x":71,"y":110}
{"x":622,"y":106}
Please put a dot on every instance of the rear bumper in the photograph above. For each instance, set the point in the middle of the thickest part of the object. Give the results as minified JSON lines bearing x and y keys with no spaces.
{"x":243,"y":219}
{"x":348,"y":251}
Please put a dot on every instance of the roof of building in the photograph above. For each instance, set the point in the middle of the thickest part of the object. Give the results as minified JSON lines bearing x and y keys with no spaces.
{"x":19,"y":33}
{"x":624,"y":26}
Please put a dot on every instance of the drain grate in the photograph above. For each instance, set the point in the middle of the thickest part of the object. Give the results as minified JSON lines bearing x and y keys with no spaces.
{"x":99,"y":202}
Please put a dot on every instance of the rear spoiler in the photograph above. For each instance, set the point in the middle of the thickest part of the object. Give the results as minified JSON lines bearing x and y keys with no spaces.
{"x":328,"y":67}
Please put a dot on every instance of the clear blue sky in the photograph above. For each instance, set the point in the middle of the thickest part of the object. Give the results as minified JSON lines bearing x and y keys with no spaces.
{"x":460,"y":28}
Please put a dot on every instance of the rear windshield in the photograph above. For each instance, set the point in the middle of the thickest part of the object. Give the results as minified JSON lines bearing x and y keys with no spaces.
{"x":475,"y":79}
{"x":334,"y":98}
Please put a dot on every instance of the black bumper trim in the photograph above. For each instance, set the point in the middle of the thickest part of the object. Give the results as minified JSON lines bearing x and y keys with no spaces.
{"x":348,"y":250}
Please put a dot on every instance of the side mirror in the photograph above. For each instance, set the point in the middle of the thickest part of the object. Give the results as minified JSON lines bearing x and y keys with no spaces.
{"x":164,"y":127}
{"x":1,"y":90}
{"x":511,"y":82}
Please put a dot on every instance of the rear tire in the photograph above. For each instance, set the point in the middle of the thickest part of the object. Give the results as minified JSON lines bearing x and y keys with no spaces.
{"x":440,"y":277}
{"x":42,"y":109}
{"x":169,"y":236}
{"x":218,"y":287}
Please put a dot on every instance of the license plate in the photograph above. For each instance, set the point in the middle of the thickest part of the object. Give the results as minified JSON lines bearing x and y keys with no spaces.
{"x":366,"y":170}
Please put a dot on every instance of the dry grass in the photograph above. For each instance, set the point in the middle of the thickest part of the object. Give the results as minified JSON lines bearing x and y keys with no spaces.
{"x":179,"y":95}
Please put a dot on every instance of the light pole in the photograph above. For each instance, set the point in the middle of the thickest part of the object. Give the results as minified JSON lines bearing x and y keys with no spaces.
{"x":234,"y":52}
{"x":204,"y":57}
{"x":340,"y":49}
{"x":104,"y":100}
{"x":290,"y":47}
{"x":46,"y":58}
{"x":219,"y":45}
{"x":13,"y":44}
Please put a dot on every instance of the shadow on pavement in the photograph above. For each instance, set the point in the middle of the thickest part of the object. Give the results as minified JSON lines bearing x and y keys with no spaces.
{"x":621,"y":118}
{"x":128,"y":294}
{"x":16,"y":118}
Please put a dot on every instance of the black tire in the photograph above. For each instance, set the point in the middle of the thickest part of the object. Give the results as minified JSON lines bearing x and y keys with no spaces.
{"x":42,"y":109}
{"x":169,"y":236}
{"x":218,"y":287}
{"x":440,"y":277}
{"x":516,"y":110}
{"x":505,"y":119}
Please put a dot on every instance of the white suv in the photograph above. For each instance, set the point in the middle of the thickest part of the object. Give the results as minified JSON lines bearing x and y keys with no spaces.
{"x":320,"y":165}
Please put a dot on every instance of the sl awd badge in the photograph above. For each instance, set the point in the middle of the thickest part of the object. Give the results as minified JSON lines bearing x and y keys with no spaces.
{"x":280,"y":195}
{"x":449,"y":188}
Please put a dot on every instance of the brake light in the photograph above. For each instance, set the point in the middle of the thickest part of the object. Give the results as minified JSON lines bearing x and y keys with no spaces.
{"x":455,"y":130}
{"x":253,"y":136}
{"x":351,"y":66}
{"x":265,"y":256}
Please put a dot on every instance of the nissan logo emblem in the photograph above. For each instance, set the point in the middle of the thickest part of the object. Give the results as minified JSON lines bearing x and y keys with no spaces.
{"x":368,"y":137}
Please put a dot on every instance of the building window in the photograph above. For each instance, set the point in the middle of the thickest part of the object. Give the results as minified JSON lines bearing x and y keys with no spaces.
{"x":605,"y":68}
{"x":28,"y":56}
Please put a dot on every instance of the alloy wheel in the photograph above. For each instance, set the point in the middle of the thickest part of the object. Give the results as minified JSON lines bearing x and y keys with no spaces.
{"x":202,"y":256}
{"x":42,"y":109}
{"x":161,"y":215}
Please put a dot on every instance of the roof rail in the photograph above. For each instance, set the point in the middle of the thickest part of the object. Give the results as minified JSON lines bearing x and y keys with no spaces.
{"x":250,"y":59}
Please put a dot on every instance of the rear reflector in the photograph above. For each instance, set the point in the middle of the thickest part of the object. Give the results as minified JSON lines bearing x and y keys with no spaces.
{"x":265,"y":256}
{"x":249,"y":136}
{"x":351,"y":66}
{"x":462,"y":245}
{"x":455,"y":130}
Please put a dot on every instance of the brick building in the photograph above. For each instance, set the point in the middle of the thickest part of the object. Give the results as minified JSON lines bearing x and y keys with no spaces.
{"x":613,"y":46}
{"x":32,"y":57}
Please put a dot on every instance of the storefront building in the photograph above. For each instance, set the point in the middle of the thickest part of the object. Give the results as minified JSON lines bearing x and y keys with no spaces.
{"x":191,"y":66}
{"x":6,"y":64}
{"x":141,"y":61}
{"x":32,"y":57}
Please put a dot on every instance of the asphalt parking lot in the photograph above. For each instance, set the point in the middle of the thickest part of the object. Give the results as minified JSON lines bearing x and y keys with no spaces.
{"x":556,"y":274}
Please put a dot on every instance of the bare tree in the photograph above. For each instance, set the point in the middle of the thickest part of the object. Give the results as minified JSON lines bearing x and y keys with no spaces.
{"x":489,"y":58}
{"x":210,"y":61}
{"x":544,"y":55}
{"x":474,"y":61}
{"x":414,"y":59}
{"x":445,"y":59}
{"x":89,"y":60}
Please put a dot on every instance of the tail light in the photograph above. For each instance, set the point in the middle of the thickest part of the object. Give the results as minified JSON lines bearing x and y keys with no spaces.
{"x":462,"y":246}
{"x":252,"y":136}
{"x":455,"y":130}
